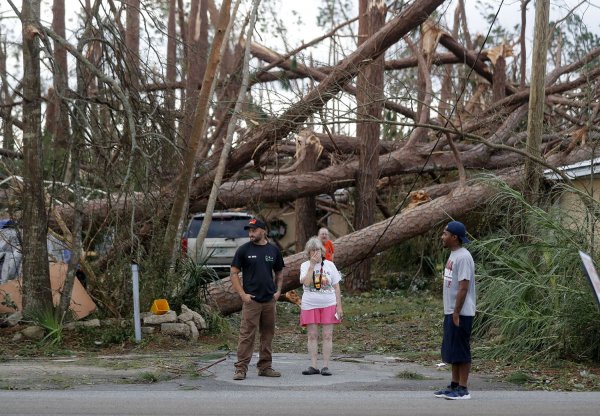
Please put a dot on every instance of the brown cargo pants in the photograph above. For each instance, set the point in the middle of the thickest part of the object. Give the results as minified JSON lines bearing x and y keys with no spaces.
{"x":261,"y":316}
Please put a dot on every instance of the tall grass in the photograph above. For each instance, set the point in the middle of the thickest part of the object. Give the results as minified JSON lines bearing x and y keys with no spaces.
{"x":46,"y":318}
{"x":191,"y":289}
{"x":533,"y":298}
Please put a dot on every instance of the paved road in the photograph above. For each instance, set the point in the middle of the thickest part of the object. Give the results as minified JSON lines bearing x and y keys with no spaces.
{"x":127,"y":401}
{"x":366,"y":386}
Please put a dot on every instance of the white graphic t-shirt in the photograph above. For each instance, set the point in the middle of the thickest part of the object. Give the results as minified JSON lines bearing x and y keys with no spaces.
{"x":324,"y":297}
{"x":460,"y":266}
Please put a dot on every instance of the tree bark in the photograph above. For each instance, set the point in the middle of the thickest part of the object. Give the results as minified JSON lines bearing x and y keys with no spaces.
{"x":58,"y":126}
{"x":197,"y":53}
{"x":306,"y":208}
{"x":8,"y":138}
{"x":499,"y":85}
{"x":537,"y":97}
{"x":523,"y":44}
{"x":132,"y":42}
{"x":369,"y":98}
{"x":471,"y":59}
{"x":37,"y":294}
{"x":171,"y":67}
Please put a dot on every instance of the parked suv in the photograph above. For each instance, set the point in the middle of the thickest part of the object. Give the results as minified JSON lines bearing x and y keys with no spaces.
{"x":225,"y":234}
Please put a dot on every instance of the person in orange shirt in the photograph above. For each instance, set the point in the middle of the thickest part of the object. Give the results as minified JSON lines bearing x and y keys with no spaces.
{"x":327,"y":243}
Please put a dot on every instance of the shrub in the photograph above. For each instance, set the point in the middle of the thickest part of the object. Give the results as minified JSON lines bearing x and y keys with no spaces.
{"x":533,"y":298}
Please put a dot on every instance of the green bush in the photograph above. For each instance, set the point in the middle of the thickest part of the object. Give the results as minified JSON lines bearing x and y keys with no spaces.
{"x":533,"y":298}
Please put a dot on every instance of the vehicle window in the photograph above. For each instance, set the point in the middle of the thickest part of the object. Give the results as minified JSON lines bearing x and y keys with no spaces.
{"x":226,"y":227}
{"x":194,"y":228}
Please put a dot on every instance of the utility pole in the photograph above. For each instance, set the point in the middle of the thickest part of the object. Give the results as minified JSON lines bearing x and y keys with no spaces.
{"x":537,"y":98}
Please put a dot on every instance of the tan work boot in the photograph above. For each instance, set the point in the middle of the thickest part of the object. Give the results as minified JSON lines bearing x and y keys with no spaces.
{"x":239,"y":375}
{"x":269,"y":372}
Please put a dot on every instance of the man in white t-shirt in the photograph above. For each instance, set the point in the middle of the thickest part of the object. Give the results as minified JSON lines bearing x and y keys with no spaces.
{"x":459,"y":310}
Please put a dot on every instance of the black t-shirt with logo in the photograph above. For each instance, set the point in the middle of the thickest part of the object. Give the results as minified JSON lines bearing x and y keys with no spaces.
{"x":257,"y":263}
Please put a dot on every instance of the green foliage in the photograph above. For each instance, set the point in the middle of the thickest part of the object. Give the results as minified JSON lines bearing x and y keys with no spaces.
{"x":413,"y":264}
{"x":519,"y":377}
{"x":192,"y":288}
{"x":533,"y":298}
{"x":573,"y":38}
{"x":115,"y":334}
{"x":47,"y":319}
{"x":217,"y":323}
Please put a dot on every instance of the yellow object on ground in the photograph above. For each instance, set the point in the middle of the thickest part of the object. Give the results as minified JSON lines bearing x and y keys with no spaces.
{"x":159,"y":307}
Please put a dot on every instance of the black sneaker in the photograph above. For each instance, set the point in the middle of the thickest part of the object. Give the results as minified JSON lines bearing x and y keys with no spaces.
{"x":443,"y":392}
{"x":460,"y":393}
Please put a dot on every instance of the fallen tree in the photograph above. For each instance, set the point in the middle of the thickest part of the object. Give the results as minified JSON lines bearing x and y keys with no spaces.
{"x":351,"y":248}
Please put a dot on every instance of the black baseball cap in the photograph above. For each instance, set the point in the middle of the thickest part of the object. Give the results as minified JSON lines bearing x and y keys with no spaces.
{"x":255,"y":223}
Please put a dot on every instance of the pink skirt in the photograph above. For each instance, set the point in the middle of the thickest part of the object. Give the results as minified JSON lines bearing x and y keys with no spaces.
{"x":320,"y":316}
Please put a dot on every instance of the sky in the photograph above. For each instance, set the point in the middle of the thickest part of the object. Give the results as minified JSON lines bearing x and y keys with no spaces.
{"x":291,"y":11}
{"x":508,"y":16}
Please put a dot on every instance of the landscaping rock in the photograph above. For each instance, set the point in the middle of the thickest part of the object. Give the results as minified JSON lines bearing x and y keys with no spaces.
{"x":176,"y":329}
{"x":34,"y":332}
{"x":195,"y":316}
{"x":169,"y":317}
{"x":194,"y":334}
{"x":148,"y":330}
{"x":15,"y":318}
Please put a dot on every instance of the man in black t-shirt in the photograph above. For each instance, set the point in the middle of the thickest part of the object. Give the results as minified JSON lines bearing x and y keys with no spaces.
{"x":258,"y":260}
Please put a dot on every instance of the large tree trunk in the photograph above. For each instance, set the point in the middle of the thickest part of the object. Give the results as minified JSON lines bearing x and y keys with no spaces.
{"x":171,"y":67}
{"x":197,"y":49}
{"x":369,"y":98}
{"x":378,"y":237}
{"x":8,"y":139}
{"x":132,"y":42}
{"x":537,"y":98}
{"x":306,"y":208}
{"x":58,"y":125}
{"x":37,"y":295}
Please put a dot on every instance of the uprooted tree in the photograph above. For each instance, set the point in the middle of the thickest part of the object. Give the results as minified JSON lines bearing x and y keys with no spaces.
{"x":414,"y":102}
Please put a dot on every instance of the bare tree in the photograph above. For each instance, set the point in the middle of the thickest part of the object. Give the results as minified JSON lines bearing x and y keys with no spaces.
{"x":193,"y":141}
{"x":37,"y":295}
{"x":369,"y":99}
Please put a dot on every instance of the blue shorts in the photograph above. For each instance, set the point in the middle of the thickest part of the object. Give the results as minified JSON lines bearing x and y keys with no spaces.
{"x":456,"y":344}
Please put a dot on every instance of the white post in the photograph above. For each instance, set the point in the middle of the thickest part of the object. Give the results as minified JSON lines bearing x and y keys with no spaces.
{"x":136,"y":302}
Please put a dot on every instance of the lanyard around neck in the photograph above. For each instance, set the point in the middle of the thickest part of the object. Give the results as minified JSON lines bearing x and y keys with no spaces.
{"x":320,"y":273}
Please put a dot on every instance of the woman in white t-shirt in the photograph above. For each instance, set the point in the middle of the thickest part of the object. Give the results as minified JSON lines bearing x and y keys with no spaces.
{"x":321,"y":303}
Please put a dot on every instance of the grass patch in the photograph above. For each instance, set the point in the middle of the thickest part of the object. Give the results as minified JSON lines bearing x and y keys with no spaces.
{"x":378,"y":322}
{"x":410,"y":375}
{"x":519,"y":377}
{"x":150,"y":377}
